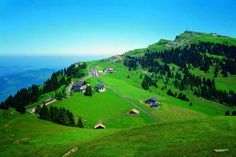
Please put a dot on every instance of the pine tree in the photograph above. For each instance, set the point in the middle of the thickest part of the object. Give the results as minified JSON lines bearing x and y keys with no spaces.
{"x":233,"y":113}
{"x":145,"y":84}
{"x":88,"y":91}
{"x":71,"y":118}
{"x":80,"y":123}
{"x":227,"y":113}
{"x":43,"y":113}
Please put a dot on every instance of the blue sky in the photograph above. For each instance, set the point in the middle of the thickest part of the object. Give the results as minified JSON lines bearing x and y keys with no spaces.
{"x":105,"y":27}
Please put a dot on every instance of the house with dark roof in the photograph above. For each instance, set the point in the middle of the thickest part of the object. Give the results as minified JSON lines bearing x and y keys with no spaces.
{"x":152,"y":102}
{"x":100,"y":87}
{"x":79,"y":86}
{"x":109,"y":70}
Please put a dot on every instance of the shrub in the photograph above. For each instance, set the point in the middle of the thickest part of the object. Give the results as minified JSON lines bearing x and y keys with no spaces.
{"x":233,"y":113}
{"x":227,"y":113}
{"x":88,"y":91}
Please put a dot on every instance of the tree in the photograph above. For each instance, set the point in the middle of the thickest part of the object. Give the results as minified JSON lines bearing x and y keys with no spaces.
{"x":141,"y":76}
{"x":35,"y":93}
{"x":145,"y":84}
{"x":21,"y":108}
{"x":59,"y":95}
{"x":80,"y":123}
{"x":233,"y":113}
{"x":227,"y":113}
{"x":183,"y":97}
{"x":71,"y":119}
{"x":9,"y":102}
{"x":4,"y":106}
{"x":88,"y":91}
{"x":169,"y":92}
{"x":43,"y":113}
{"x":56,"y":115}
{"x":216,"y":71}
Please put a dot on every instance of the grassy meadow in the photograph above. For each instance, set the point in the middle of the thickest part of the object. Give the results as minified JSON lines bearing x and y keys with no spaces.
{"x":174,"y":129}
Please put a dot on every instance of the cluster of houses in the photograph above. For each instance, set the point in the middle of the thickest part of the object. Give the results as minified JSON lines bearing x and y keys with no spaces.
{"x":82,"y":85}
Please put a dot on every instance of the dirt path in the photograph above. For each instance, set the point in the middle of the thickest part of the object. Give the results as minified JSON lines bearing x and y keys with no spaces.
{"x":73,"y":150}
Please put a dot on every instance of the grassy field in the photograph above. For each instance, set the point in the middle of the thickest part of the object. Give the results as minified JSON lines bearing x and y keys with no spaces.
{"x":126,"y":86}
{"x":175,"y":129}
{"x":104,"y":107}
{"x":26,"y":135}
{"x":188,"y":138}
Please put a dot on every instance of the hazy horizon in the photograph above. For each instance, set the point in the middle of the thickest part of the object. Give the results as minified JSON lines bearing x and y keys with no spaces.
{"x":18,"y":72}
{"x":73,"y":28}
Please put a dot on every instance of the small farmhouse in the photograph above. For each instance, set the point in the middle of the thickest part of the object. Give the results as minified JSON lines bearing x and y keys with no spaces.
{"x":79,"y":86}
{"x":152,"y":102}
{"x":100,"y":72}
{"x":49,"y":101}
{"x":133,"y":112}
{"x":100,"y":87}
{"x":109,"y":70}
{"x":99,"y":126}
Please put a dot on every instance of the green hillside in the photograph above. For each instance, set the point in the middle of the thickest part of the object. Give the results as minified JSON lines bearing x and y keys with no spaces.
{"x":186,"y":38}
{"x":26,"y":135}
{"x":188,"y":138}
{"x":193,"y":95}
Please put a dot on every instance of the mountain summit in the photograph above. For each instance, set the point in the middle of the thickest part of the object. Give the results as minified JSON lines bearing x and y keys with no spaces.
{"x":184,"y":39}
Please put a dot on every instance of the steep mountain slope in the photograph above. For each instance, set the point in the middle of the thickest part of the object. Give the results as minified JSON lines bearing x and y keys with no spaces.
{"x":194,"y":62}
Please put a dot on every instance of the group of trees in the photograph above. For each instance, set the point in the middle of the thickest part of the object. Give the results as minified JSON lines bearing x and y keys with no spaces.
{"x":227,"y":113}
{"x":200,"y":55}
{"x":63,"y":77}
{"x":58,"y":115}
{"x":26,"y":96}
{"x":147,"y":82}
{"x":203,"y":87}
{"x":181,"y":95}
{"x":22,"y":98}
{"x":194,"y":54}
{"x":76,"y":70}
{"x":130,"y":62}
{"x":60,"y":94}
{"x":56,"y":81}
